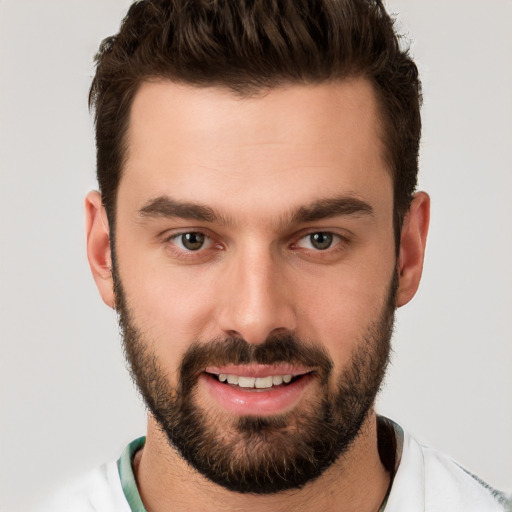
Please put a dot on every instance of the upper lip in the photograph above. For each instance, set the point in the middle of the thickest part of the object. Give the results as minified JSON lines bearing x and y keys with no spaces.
{"x":258,"y":370}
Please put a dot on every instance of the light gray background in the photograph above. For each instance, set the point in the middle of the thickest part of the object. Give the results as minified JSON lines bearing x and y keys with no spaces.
{"x":66,"y":402}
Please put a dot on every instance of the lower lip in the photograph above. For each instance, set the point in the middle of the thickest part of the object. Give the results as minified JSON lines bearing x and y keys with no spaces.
{"x":256,"y":402}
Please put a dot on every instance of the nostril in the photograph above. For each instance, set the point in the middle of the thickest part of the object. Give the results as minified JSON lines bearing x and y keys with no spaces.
{"x":234,"y":334}
{"x":279,"y":331}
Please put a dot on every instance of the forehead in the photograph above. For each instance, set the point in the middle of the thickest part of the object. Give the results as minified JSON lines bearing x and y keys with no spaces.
{"x":214,"y":147}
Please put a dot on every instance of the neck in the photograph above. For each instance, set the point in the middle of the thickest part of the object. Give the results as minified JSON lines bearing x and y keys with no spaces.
{"x":356,"y":482}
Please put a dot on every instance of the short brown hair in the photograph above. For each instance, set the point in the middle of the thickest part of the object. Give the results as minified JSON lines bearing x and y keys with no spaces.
{"x":250,"y":45}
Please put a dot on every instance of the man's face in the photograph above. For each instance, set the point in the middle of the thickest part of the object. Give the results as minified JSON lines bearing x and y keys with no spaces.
{"x":254,"y":245}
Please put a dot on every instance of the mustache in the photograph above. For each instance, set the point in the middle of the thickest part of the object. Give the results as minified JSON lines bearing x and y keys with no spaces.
{"x":279,"y":348}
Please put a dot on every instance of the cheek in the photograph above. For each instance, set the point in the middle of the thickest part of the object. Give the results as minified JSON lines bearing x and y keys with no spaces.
{"x":169,"y":305}
{"x":339,"y":311}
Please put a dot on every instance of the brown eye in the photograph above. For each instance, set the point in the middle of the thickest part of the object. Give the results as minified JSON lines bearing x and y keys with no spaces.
{"x":321,"y":241}
{"x":192,"y":241}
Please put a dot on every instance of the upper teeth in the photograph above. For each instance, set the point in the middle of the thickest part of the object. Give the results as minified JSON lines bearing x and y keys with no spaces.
{"x":255,"y":382}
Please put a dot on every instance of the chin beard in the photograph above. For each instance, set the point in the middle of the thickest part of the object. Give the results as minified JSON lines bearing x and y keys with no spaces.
{"x":261,"y":455}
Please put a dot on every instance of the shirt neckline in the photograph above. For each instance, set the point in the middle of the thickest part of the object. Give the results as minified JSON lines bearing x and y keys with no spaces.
{"x":131,"y":492}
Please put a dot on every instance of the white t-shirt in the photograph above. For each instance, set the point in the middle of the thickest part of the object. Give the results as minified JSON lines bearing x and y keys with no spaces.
{"x":425,"y":480}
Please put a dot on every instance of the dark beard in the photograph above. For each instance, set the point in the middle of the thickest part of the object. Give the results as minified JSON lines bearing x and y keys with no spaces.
{"x":261,"y":455}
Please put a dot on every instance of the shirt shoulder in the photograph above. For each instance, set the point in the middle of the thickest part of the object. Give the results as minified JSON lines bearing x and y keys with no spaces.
{"x":448,"y":486}
{"x":98,"y":491}
{"x":427,"y":480}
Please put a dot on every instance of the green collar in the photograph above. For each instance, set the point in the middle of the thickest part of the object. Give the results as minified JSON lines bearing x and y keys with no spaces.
{"x":128,"y":483}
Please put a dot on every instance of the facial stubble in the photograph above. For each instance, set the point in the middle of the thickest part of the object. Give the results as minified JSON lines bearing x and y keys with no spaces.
{"x":252,"y":454}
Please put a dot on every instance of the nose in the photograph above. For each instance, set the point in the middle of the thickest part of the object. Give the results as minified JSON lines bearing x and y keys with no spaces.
{"x":256,"y":298}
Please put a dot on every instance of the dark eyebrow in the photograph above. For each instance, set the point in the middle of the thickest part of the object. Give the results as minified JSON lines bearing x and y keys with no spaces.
{"x":167,"y":207}
{"x":331,"y":207}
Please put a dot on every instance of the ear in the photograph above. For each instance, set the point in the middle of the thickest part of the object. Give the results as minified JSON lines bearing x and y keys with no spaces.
{"x":412,"y":248}
{"x":98,"y":246}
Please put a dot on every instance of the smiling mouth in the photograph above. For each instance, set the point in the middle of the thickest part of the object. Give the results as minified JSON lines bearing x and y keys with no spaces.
{"x":257,"y":383}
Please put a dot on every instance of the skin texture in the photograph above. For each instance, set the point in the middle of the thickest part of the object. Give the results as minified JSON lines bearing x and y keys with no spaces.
{"x":256,"y":162}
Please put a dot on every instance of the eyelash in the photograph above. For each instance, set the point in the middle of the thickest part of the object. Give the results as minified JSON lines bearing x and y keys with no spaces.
{"x":340,"y":242}
{"x":183,"y":252}
{"x":334,"y":244}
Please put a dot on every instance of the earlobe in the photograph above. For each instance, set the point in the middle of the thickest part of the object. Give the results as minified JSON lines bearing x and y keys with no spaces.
{"x":98,"y":246}
{"x":412,"y":248}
